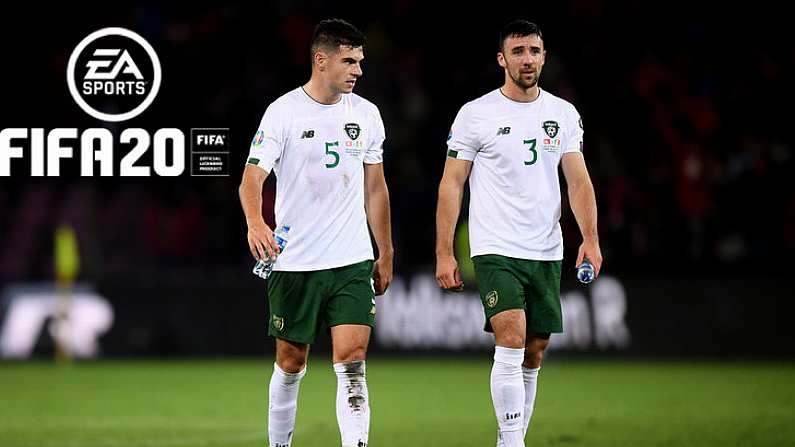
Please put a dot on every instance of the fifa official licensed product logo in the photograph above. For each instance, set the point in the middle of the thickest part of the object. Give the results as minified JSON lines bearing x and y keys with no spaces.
{"x":278,"y":323}
{"x":114,"y":74}
{"x":353,"y":130}
{"x":492,"y":298}
{"x":551,"y":128}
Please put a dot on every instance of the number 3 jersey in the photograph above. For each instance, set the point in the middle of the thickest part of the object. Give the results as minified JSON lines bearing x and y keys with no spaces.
{"x":317,"y":153}
{"x":515,"y":147}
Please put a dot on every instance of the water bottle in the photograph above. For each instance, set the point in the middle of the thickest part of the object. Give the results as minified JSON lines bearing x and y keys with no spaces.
{"x":585,"y":272}
{"x":263,"y":268}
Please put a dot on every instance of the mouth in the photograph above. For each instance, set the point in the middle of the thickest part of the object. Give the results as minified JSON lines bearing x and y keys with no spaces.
{"x":350,"y":83}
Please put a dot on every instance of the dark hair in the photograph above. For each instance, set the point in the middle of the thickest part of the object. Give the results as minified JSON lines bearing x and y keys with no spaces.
{"x":331,"y":33}
{"x":518,"y":28}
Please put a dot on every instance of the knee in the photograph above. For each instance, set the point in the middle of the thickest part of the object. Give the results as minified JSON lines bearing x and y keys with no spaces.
{"x":291,"y":364}
{"x":510,"y":337}
{"x":515,"y":341}
{"x":534,"y":352}
{"x":355,"y":354}
{"x":532,"y":359}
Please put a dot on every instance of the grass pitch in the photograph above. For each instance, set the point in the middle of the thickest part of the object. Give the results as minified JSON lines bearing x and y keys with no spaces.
{"x":414,"y":402}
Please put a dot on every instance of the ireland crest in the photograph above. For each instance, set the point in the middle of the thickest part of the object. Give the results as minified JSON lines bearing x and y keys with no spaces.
{"x":551,"y":128}
{"x":492,"y":298}
{"x":353,"y":130}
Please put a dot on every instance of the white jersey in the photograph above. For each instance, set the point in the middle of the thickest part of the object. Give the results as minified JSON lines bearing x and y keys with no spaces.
{"x":317,"y":152}
{"x":515,"y":148}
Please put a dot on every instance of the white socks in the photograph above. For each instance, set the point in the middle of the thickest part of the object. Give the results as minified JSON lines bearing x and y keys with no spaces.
{"x":282,"y":405}
{"x":508,"y":394}
{"x":353,"y":407}
{"x":530,"y":376}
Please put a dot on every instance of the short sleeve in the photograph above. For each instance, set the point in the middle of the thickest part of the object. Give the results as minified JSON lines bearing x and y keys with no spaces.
{"x":574,"y":132}
{"x":375,"y":151}
{"x":268,"y":143}
{"x":462,"y":142}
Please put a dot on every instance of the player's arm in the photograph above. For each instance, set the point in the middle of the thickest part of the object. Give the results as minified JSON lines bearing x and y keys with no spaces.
{"x":260,"y":237}
{"x":583,"y":203}
{"x":376,"y":205}
{"x":451,"y":192}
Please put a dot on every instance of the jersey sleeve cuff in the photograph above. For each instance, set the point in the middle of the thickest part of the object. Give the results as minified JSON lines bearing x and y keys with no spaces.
{"x":260,"y":163}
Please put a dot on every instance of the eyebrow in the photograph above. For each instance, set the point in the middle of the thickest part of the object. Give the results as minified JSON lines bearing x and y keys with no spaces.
{"x":532,"y":47}
{"x":351,"y":59}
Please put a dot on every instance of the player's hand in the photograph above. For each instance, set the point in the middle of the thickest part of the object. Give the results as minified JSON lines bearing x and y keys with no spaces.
{"x":590,"y":249}
{"x":447,"y":274}
{"x":260,"y":240}
{"x":382,"y":275}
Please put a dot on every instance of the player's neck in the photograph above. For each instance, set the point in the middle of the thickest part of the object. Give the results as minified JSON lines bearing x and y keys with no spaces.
{"x":317,"y":90}
{"x":518,"y":94}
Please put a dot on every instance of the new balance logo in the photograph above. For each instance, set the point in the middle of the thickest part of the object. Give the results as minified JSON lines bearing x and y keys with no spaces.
{"x":510,"y":416}
{"x":308,"y":134}
{"x":503,"y":131}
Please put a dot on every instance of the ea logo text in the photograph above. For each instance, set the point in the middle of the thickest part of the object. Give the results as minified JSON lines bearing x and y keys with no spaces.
{"x":98,"y":81}
{"x":113,"y":74}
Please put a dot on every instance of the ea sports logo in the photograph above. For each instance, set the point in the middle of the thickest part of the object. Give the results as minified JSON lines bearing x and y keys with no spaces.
{"x":113,"y":74}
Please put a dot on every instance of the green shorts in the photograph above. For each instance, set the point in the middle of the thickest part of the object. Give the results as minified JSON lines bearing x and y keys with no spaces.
{"x":508,"y":283}
{"x":302,"y":303}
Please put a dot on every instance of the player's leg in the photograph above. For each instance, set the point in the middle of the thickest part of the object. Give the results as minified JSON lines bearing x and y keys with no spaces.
{"x":289,"y":369}
{"x":544,"y":316}
{"x":507,"y":385}
{"x":353,"y":404}
{"x":533,"y":354}
{"x":350,"y":313}
{"x":294,"y":300}
{"x":503,"y":303}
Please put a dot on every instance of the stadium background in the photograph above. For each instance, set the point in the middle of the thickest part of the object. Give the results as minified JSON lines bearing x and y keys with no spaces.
{"x":686,"y":115}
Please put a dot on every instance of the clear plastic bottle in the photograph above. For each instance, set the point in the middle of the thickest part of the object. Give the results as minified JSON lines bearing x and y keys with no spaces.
{"x":586,"y":272}
{"x":263,"y":268}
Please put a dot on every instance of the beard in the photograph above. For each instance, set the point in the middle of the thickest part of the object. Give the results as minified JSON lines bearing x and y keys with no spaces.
{"x":523,"y":83}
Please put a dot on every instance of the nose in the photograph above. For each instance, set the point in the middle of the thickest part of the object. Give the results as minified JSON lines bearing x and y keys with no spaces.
{"x":357,"y":70}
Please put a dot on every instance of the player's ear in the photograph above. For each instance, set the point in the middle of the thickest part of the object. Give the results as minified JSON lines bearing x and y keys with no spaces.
{"x":501,"y":59}
{"x":320,"y":58}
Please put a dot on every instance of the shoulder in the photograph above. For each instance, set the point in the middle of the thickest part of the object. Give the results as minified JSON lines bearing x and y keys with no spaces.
{"x":481,"y":105}
{"x":559,"y":103}
{"x":363,"y":104}
{"x":288,"y":101}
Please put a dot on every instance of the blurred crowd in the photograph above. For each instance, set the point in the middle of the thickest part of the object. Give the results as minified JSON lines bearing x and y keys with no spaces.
{"x":685,"y":120}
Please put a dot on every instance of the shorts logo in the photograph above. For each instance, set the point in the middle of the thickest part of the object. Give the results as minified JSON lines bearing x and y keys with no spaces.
{"x":492,"y":298}
{"x":259,"y":137}
{"x":278,"y":323}
{"x":113,"y":74}
{"x":504,"y":131}
{"x":353,"y":130}
{"x":551,"y":128}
